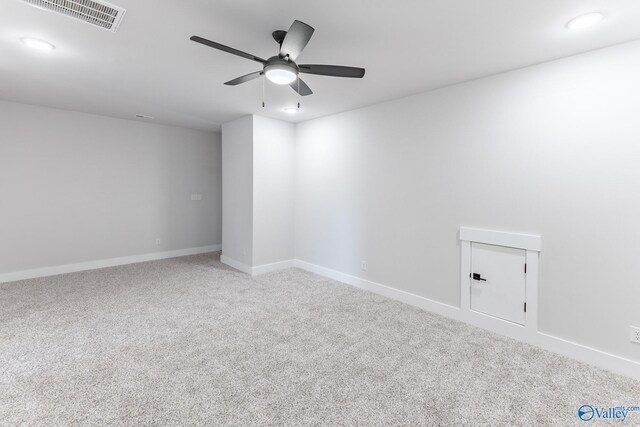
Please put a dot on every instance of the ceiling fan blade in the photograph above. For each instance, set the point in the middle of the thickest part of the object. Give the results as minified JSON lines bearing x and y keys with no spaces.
{"x":332,"y":70}
{"x":296,"y":39}
{"x":243,"y":79}
{"x":304,"y":89}
{"x":227,"y":49}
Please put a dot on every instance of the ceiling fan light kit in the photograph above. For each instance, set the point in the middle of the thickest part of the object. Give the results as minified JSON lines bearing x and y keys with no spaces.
{"x":282,"y":68}
{"x":280,"y":72}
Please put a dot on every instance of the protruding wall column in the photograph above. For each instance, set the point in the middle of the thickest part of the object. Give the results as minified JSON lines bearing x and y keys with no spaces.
{"x":257,"y":194}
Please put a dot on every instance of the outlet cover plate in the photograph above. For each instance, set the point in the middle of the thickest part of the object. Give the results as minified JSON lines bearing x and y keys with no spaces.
{"x":635,"y":334}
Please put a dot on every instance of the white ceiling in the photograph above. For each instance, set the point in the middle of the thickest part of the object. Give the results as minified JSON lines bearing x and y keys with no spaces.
{"x":151,"y":67}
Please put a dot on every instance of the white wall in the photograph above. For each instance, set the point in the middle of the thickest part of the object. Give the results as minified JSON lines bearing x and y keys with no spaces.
{"x":273,"y":183}
{"x":78,"y":187}
{"x":237,"y":190}
{"x":258,"y":188}
{"x":552,"y":149}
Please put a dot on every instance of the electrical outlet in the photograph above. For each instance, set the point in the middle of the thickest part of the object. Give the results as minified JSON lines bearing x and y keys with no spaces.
{"x":158,"y":241}
{"x":635,"y":334}
{"x":363,"y":265}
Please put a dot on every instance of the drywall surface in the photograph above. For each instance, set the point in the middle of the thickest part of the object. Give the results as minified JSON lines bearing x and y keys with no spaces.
{"x":258,"y":188}
{"x":552,"y":150}
{"x":78,"y":187}
{"x":273,"y":184}
{"x":237,"y":190}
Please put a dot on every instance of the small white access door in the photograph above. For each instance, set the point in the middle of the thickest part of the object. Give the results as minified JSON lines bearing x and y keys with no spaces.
{"x":498,"y":281}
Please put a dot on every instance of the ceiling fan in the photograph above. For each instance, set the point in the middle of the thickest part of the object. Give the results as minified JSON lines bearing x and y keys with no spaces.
{"x":282,"y":68}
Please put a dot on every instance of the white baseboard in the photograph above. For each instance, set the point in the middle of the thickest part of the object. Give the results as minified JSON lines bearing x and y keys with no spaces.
{"x":402,"y":296}
{"x":591,"y":356}
{"x":235,"y":264}
{"x":111,"y":262}
{"x":267,"y":268}
{"x":257,"y":270}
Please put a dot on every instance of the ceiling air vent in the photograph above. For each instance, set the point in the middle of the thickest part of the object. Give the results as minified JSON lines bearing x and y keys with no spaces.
{"x":98,"y":13}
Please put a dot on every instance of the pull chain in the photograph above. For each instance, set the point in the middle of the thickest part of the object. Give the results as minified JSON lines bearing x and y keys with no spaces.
{"x":262,"y":92}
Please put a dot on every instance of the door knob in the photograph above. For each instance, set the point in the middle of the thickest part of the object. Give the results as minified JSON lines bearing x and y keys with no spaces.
{"x":478,"y":277}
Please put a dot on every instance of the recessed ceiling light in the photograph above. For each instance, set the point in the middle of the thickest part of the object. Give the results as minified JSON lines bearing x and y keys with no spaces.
{"x":585,"y":21}
{"x":291,"y":110}
{"x":37,"y":44}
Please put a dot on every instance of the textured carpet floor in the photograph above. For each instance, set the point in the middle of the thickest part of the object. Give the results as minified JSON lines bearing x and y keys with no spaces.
{"x":189,"y":341}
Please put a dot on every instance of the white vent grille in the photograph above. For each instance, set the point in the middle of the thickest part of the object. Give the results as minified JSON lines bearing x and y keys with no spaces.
{"x":98,"y":13}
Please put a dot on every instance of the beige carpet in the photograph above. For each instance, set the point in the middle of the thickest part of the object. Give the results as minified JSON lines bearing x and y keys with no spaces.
{"x":189,"y":341}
